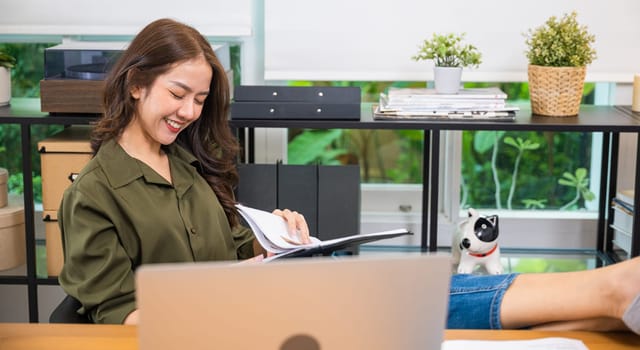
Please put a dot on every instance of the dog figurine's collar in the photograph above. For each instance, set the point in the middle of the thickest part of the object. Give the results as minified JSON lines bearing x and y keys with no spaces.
{"x":484,"y":254}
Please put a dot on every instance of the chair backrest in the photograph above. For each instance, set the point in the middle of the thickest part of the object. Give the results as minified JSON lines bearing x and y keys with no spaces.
{"x":66,"y":312}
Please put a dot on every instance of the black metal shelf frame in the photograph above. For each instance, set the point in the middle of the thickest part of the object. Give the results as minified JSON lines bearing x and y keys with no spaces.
{"x":26,"y":120}
{"x":609,"y":120}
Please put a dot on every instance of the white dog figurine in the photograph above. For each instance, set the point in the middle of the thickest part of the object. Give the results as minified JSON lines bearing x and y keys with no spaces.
{"x":476,"y":243}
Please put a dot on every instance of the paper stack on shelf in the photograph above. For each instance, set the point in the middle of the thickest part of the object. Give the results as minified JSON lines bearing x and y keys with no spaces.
{"x":623,"y":207}
{"x":467,"y":104}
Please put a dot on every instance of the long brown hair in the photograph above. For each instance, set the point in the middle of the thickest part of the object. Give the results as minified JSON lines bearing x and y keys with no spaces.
{"x":152,"y":52}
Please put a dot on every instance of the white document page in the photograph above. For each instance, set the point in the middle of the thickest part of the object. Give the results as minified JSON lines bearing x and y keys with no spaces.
{"x":533,"y":344}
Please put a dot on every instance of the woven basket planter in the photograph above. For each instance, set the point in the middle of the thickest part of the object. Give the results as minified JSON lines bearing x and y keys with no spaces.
{"x":556,"y":91}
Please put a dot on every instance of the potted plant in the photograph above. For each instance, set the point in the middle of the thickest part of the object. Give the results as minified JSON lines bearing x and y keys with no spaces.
{"x":449,"y":55}
{"x":558,"y":54}
{"x":6,"y":63}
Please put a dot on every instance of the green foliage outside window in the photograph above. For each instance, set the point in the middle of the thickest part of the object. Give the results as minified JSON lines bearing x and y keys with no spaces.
{"x":489,"y":171}
{"x":527,"y":170}
{"x":25,"y":82}
{"x":29,"y":68}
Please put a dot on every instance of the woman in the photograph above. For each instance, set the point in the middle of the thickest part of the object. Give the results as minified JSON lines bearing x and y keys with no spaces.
{"x":159,"y":189}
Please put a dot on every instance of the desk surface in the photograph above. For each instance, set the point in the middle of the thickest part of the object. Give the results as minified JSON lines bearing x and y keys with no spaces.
{"x":17,"y":336}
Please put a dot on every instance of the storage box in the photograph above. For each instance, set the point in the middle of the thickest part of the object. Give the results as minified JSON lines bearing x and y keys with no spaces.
{"x":53,"y":243}
{"x":4,"y":177}
{"x":12,"y":236}
{"x":62,"y":156}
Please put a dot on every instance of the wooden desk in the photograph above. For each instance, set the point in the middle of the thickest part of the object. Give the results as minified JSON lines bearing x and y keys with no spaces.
{"x":42,"y":336}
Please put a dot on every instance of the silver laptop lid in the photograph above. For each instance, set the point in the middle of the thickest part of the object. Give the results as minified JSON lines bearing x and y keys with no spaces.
{"x":319,"y":303}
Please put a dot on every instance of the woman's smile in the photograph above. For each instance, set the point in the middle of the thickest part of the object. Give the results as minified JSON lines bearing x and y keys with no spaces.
{"x":173,"y":125}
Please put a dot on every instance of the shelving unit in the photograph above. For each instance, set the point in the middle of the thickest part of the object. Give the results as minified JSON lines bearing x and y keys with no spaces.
{"x":22,"y":113}
{"x":608,"y":120}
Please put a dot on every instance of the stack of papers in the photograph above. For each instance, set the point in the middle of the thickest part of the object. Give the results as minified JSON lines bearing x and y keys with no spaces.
{"x":271,"y":231}
{"x":623,"y":212}
{"x":474,"y":103}
{"x":533,"y":344}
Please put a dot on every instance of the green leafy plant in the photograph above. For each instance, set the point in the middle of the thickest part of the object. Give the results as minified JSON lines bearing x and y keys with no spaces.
{"x":483,"y":141}
{"x":560,"y":43}
{"x":7,"y":61}
{"x":447,"y":50}
{"x":521,"y":145}
{"x":580,"y":182}
{"x":313,"y":146}
{"x":534,"y":203}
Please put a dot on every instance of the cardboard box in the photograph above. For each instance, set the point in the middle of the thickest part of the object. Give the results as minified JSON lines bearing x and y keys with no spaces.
{"x":53,"y":243}
{"x":62,"y":156}
{"x":12,"y":236}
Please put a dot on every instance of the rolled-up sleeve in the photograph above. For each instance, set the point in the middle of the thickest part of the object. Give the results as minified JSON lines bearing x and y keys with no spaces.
{"x":243,"y":238}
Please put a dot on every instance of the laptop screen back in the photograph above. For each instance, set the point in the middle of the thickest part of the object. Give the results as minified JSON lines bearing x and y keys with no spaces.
{"x":319,"y":303}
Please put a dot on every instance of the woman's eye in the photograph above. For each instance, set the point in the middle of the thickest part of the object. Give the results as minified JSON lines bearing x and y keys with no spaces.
{"x":200,"y":102}
{"x":176,"y":95}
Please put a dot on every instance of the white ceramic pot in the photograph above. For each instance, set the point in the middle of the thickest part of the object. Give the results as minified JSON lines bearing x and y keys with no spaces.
{"x":5,"y":86}
{"x":447,"y":79}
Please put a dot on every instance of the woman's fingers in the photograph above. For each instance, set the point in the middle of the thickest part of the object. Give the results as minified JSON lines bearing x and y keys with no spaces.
{"x":296,"y":223}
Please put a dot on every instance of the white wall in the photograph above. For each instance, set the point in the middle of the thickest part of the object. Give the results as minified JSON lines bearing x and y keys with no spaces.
{"x":374,"y":39}
{"x":122,"y":17}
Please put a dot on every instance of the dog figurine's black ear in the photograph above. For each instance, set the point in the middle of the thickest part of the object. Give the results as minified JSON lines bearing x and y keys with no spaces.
{"x":493,"y":219}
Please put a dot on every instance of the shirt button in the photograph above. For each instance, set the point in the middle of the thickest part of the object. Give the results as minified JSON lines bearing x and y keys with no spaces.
{"x":193,"y":231}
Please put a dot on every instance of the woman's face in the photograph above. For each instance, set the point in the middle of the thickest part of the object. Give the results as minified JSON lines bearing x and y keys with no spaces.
{"x":173,"y":101}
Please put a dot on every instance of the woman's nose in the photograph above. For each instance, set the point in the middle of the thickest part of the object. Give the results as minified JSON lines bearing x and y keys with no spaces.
{"x":187,"y":110}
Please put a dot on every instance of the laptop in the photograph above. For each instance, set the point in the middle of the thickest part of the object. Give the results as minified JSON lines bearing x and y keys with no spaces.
{"x":370,"y":302}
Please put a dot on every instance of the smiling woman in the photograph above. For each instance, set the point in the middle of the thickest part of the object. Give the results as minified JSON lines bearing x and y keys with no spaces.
{"x":160,"y":187}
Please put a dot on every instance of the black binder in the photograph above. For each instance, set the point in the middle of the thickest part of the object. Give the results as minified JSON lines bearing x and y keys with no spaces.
{"x":296,"y":102}
{"x":309,"y":94}
{"x":327,"y":195}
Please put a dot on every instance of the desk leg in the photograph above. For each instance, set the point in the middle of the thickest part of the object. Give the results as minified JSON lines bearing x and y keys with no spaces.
{"x":605,"y":178}
{"x":613,"y":187}
{"x":251,"y":145}
{"x":435,"y":182}
{"x":247,"y":144}
{"x":426,"y":171}
{"x":30,"y":239}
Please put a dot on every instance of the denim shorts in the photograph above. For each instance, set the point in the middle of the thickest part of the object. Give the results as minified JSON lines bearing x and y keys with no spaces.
{"x":474,"y":301}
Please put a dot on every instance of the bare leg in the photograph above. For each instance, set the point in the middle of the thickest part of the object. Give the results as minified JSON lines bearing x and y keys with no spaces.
{"x":537,"y":299}
{"x":594,"y":324}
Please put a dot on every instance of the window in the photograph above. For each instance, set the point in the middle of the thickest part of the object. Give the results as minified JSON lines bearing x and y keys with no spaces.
{"x":553,"y":171}
{"x":25,"y":81}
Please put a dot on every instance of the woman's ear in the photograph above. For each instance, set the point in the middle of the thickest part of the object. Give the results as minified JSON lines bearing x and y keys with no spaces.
{"x":135,"y":92}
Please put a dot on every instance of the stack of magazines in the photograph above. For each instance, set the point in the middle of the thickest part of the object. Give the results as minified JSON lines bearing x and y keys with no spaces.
{"x":467,"y":104}
{"x":623,"y":211}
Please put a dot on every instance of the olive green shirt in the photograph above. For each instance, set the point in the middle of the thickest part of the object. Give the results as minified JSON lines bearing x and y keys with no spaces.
{"x":119,"y":214}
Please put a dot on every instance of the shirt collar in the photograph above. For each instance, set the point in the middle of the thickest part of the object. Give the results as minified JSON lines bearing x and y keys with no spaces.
{"x":121,"y":169}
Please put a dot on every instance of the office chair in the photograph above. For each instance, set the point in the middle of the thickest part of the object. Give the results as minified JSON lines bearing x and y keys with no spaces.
{"x":65,"y":312}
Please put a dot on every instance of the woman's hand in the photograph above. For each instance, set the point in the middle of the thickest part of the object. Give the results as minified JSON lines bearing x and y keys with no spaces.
{"x":298,"y":227}
{"x":132,"y":318}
